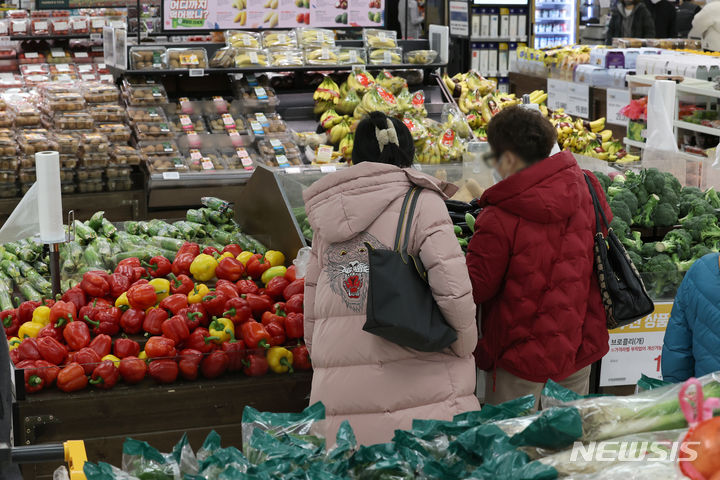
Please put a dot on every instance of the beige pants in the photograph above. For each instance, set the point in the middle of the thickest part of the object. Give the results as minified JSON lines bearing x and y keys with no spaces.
{"x":509,"y":387}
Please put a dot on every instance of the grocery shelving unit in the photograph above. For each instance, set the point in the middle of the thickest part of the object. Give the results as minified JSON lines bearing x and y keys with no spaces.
{"x":546,"y":24}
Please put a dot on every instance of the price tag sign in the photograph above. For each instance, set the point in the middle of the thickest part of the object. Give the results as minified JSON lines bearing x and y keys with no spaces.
{"x":324,"y":154}
{"x":616,"y":100}
{"x":636,"y":349}
{"x":293,"y":170}
{"x":327,"y":168}
{"x":171,"y":175}
{"x":573,"y":97}
{"x":196,"y":72}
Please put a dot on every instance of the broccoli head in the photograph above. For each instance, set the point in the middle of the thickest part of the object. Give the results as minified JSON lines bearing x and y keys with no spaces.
{"x":672,"y":182}
{"x":665,"y":215}
{"x":632,"y":242}
{"x":668,"y":195}
{"x":620,"y":228}
{"x":712,"y":197}
{"x":648,"y":250}
{"x":676,"y":241}
{"x":644,"y":217}
{"x":636,"y":259}
{"x":702,"y":227}
{"x":604,"y":180}
{"x":641,"y":194}
{"x":690,"y":193}
{"x":654,"y":180}
{"x":696,"y":253}
{"x":698,"y":207}
{"x":628,"y":198}
{"x":662,"y":275}
{"x":621,"y":210}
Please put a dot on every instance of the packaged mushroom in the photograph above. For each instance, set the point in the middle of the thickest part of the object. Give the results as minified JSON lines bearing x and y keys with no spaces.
{"x":309,"y":37}
{"x":166,"y":163}
{"x":115,"y":132}
{"x":31,"y":143}
{"x":148,"y":58}
{"x":153,"y":131}
{"x":188,"y":123}
{"x":383,"y":56}
{"x":322,"y":56}
{"x":146,"y":96}
{"x":287,"y":57}
{"x":280,"y":39}
{"x":65,"y":143}
{"x":146,"y":115}
{"x":119,"y":184}
{"x":227,"y":122}
{"x":107,"y":112}
{"x":165,"y":148}
{"x":376,"y":38}
{"x":178,"y":58}
{"x":251,"y":58}
{"x":243,"y":39}
{"x":224,"y":58}
{"x":203,"y":160}
{"x":100,"y":92}
{"x":124,"y":155}
{"x":69,"y":121}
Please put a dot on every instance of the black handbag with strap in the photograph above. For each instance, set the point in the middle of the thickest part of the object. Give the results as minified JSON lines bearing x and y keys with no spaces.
{"x":400,"y":305}
{"x":623,"y":293}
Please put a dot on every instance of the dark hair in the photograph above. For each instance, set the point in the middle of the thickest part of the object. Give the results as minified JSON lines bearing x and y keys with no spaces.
{"x":522,"y":131}
{"x":367,"y":149}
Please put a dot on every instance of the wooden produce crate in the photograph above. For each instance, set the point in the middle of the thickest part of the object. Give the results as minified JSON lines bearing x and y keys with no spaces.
{"x":158,"y":414}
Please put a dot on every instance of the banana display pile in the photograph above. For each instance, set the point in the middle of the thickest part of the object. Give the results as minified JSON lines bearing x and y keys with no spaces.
{"x":478,"y":100}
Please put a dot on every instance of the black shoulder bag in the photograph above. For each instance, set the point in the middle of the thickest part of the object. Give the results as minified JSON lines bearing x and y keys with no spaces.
{"x":400,"y":304}
{"x":623,"y":292}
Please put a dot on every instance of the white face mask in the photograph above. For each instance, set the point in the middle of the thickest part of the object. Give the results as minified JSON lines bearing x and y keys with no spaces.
{"x":496,"y":176}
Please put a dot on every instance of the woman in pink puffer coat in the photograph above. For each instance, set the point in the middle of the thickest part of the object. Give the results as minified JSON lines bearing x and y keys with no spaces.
{"x":378,"y":385}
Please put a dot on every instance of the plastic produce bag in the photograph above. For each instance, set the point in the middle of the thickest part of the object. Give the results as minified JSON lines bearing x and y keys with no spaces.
{"x":105,"y":471}
{"x":554,"y":428}
{"x":554,"y":394}
{"x":185,"y":457}
{"x":338,"y":458}
{"x":275,"y":423}
{"x":632,"y":471}
{"x":513,"y":408}
{"x":146,"y":462}
{"x":648,"y":383}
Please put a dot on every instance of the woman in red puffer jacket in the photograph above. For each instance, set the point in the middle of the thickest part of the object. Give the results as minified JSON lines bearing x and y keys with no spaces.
{"x":531,"y":264}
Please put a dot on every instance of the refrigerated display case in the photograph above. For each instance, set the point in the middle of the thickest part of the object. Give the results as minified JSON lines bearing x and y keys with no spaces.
{"x":555,"y":23}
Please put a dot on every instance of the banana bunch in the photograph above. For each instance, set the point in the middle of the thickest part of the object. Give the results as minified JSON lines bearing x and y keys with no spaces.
{"x":385,"y":56}
{"x":316,"y":37}
{"x":271,"y":18}
{"x":285,"y":38}
{"x":353,"y":56}
{"x":458,"y":124}
{"x":475,"y":120}
{"x":538,"y":97}
{"x":428,"y":153}
{"x":470,"y":81}
{"x":380,"y":39}
{"x":330,"y":118}
{"x":390,"y":82}
{"x":322,"y":56}
{"x":322,"y":106}
{"x":377,"y":99}
{"x":243,"y":40}
{"x":360,"y":81}
{"x":251,"y":58}
{"x":327,"y":91}
{"x":339,"y":131}
{"x":597,"y":125}
{"x":346,"y":146}
{"x":348,"y":101}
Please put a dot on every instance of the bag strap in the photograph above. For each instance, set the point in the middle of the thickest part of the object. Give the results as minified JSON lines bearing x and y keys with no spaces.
{"x":402,"y":219}
{"x":411,"y":213}
{"x":599,"y":213}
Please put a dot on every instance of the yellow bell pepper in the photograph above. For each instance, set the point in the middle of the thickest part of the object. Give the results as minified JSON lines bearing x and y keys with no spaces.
{"x":162,"y":288}
{"x":198,"y":292}
{"x":142,"y":355}
{"x":122,"y":302}
{"x":273,"y":272}
{"x":280,"y":360}
{"x":225,"y":255}
{"x":275,"y":258}
{"x":203,"y":267}
{"x":221,"y":330}
{"x":13,"y":343}
{"x":244,"y":257}
{"x":41,"y":315}
{"x":30,"y":329}
{"x":112,"y":358}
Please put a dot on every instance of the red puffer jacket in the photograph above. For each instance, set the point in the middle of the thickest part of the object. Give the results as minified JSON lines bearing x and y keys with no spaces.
{"x":531,"y":266}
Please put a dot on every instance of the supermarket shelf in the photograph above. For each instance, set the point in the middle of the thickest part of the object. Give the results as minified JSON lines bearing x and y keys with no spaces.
{"x":522,"y":38}
{"x":49,"y":37}
{"x":633,"y":143}
{"x":698,"y":87}
{"x":551,"y":34}
{"x":697,"y":128}
{"x":550,"y":20}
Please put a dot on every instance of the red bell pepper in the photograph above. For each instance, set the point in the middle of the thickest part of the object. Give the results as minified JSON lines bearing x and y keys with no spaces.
{"x":142,"y":296}
{"x":238,"y":311}
{"x":215,"y":364}
{"x":189,"y":247}
{"x":124,"y":347}
{"x":181,"y":264}
{"x":229,"y":269}
{"x":140,"y":281}
{"x":254,"y":335}
{"x":214,"y":303}
{"x":159,"y":266}
{"x":34,"y":381}
{"x":236,"y":354}
{"x":256,"y":266}
{"x":15,"y":356}
{"x":228,"y":288}
{"x":180,"y":284}
{"x":119,"y":284}
{"x":160,"y":347}
{"x":130,"y":262}
{"x":10,"y":322}
{"x":298,"y":286}
{"x":295,"y":303}
{"x":270,"y":317}
{"x":51,"y":332}
{"x":100,"y":303}
{"x":198,"y":341}
{"x":246,"y":286}
{"x":192,"y":317}
{"x":28,"y":349}
{"x":255,"y":365}
{"x":176,"y":329}
{"x":95,"y":284}
{"x":102,"y":344}
{"x":294,"y":325}
{"x":127,"y":271}
{"x":174,"y":303}
{"x":108,"y":321}
{"x":259,"y":304}
{"x":275,"y":287}
{"x":291,"y":274}
{"x":131,"y":321}
{"x":163,"y":371}
{"x":189,"y":363}
{"x":62,"y":312}
{"x":233,"y":248}
{"x":301,"y":358}
{"x":132,"y":369}
{"x":26,"y":309}
{"x":105,"y":375}
{"x":48,"y":371}
{"x":51,"y":350}
{"x":212,"y":251}
{"x":87,"y":358}
{"x":153,"y":321}
{"x":72,"y":378}
{"x":139,"y":273}
{"x":277,"y":334}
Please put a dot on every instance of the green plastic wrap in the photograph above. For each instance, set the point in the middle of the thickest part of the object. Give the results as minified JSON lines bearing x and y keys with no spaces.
{"x":275,"y":423}
{"x":647,"y":383}
{"x":554,"y":428}
{"x":147,"y":463}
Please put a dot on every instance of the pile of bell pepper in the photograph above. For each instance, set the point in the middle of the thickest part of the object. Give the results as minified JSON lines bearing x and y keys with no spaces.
{"x":204,"y":314}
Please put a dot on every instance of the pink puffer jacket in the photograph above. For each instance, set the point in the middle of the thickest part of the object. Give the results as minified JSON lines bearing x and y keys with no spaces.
{"x":375,"y":384}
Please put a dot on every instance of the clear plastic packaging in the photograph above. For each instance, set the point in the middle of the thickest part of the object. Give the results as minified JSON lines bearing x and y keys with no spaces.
{"x":25,"y":115}
{"x":107,"y":113}
{"x":31,"y":68}
{"x":280,"y":39}
{"x":60,"y":26}
{"x":79,"y":24}
{"x":148,"y":58}
{"x":179,"y":58}
{"x":70,"y":121}
{"x":309,"y":37}
{"x":6,"y":119}
{"x":153,"y":131}
{"x":68,"y":188}
{"x":94,"y":145}
{"x":377,"y":38}
{"x":100,"y":93}
{"x":89,"y":173}
{"x":243,"y":39}
{"x":40,"y":26}
{"x":188,"y":123}
{"x":420,"y":57}
{"x":267,"y":124}
{"x":124,"y":155}
{"x":97,"y":24}
{"x":203,"y":160}
{"x":240,"y":158}
{"x":16,"y":14}
{"x":8,"y":178}
{"x":65,"y":143}
{"x":118,"y":171}
{"x":62,"y":68}
{"x":8,"y":53}
{"x":8,"y":148}
{"x":146,"y":96}
{"x":19,"y":26}
{"x":166,"y":148}
{"x":322,"y":56}
{"x":91,"y":186}
{"x":119,"y":184}
{"x":11,"y":80}
{"x":115,"y":132}
{"x":279,"y":152}
{"x":226,"y":122}
{"x":68,"y":160}
{"x":386,"y":56}
{"x":287,"y":57}
{"x":59,"y":55}
{"x":63,"y":102}
{"x":166,"y":163}
{"x":224,"y":58}
{"x":251,"y":58}
{"x":352,"y":56}
{"x":258,"y":99}
{"x":27,"y":175}
{"x":9,"y":163}
{"x":147,"y":114}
